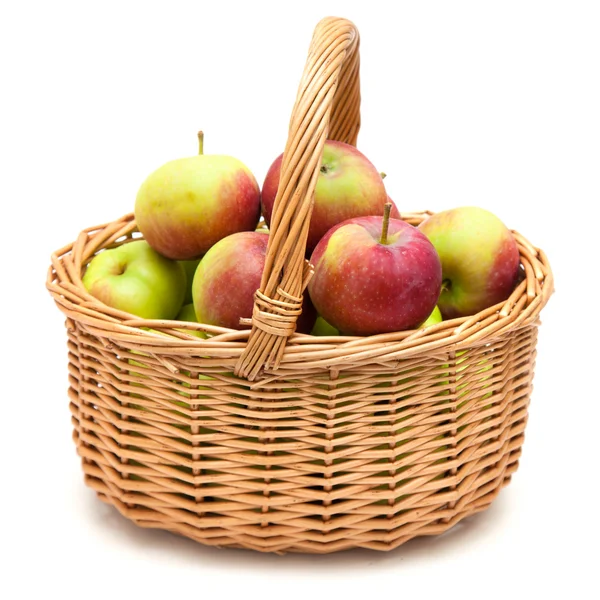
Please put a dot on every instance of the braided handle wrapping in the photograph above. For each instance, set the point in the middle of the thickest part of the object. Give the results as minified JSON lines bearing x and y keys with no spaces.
{"x":327,"y":107}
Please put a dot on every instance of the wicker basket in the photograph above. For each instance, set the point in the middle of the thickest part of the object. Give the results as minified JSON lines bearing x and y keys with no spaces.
{"x":277,"y":441}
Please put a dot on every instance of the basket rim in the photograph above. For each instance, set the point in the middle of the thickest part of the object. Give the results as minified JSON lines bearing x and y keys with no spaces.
{"x":170,"y":337}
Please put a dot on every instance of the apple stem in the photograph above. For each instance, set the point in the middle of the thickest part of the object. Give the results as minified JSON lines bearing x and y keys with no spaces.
{"x":386,"y":222}
{"x":201,"y":142}
{"x":383,"y":175}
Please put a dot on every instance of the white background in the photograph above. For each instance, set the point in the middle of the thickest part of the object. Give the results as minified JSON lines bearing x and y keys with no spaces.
{"x":495,"y":104}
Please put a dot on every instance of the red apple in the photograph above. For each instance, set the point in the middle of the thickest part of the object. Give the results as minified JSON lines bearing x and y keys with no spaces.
{"x":480,"y":259}
{"x":348,"y":186}
{"x":375,"y":275}
{"x":187,"y":205}
{"x":306,"y":321}
{"x":227,"y":277}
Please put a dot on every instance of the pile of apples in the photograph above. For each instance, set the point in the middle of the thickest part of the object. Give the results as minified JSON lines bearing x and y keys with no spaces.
{"x":204,"y":247}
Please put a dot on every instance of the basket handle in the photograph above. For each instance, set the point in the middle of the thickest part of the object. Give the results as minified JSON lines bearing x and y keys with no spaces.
{"x":327,"y":107}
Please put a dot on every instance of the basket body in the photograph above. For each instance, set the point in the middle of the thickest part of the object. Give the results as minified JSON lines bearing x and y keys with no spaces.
{"x":275,"y":441}
{"x":351,"y":442}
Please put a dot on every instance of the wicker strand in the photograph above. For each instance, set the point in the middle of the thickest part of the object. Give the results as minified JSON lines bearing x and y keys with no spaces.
{"x":327,"y":106}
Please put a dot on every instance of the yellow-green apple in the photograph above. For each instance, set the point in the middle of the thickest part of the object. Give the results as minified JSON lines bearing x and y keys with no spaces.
{"x":479,"y":255}
{"x":348,"y":186}
{"x":137,"y":279}
{"x":189,"y":204}
{"x":433,"y":319}
{"x":227,"y":278}
{"x":375,"y":275}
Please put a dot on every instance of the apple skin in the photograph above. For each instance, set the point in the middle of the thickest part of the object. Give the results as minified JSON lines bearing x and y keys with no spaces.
{"x":187,"y":313}
{"x":348,"y":186}
{"x":433,"y":319}
{"x":187,"y":205}
{"x":480,"y":259}
{"x":189,"y":266}
{"x":322,"y":327}
{"x":306,"y":321}
{"x":227,"y":277}
{"x":363,"y":287}
{"x":137,"y":279}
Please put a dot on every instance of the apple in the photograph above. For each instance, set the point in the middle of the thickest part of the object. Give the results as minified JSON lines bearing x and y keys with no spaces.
{"x":322,"y":327}
{"x":348,"y":186}
{"x":479,"y":255}
{"x":433,"y":319}
{"x":136,"y":279}
{"x":306,"y":320}
{"x":189,"y":266}
{"x":187,"y":313}
{"x":188,"y":204}
{"x":375,"y":275}
{"x":227,"y":278}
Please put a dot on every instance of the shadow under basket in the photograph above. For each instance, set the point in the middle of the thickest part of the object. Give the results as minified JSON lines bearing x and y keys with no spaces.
{"x":277,"y":443}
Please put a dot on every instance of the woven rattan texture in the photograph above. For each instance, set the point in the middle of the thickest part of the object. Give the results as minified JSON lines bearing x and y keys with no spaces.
{"x":259,"y":440}
{"x":351,"y":442}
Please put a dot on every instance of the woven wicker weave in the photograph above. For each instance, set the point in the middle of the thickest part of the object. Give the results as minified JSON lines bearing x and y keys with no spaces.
{"x":259,"y":440}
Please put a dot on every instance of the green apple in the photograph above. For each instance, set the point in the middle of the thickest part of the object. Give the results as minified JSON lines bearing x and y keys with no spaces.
{"x":433,"y":319}
{"x":187,"y":205}
{"x":189,"y":266}
{"x":322,"y":327}
{"x":136,"y":279}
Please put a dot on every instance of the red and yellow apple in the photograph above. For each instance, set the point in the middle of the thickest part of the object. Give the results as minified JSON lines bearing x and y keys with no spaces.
{"x":348,"y":186}
{"x":188,"y":204}
{"x":136,"y":279}
{"x":479,"y":255}
{"x":375,"y":275}
{"x":227,"y":277}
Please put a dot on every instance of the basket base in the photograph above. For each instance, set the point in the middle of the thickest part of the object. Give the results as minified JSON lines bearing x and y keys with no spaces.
{"x":270,"y":539}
